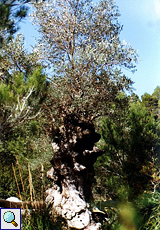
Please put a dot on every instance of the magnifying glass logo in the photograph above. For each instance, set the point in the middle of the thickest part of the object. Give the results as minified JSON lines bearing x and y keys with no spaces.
{"x":9,"y":217}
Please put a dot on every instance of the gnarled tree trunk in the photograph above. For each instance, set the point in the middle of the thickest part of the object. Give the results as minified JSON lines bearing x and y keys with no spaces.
{"x":72,"y":172}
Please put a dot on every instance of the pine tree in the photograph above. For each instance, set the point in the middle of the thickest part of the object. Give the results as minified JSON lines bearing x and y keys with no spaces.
{"x":11,"y":13}
{"x":129,"y":140}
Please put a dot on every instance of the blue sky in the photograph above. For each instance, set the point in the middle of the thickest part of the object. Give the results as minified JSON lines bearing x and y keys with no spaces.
{"x":141,"y":21}
{"x":141,"y":29}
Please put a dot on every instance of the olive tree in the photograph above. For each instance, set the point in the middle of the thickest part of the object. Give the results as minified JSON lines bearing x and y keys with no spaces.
{"x":81,"y":46}
{"x":80,"y":42}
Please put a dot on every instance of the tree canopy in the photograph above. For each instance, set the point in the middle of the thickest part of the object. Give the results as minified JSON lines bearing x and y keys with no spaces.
{"x":80,"y":42}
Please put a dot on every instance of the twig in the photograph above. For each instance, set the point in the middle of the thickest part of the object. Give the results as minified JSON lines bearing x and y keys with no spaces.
{"x":16,"y":181}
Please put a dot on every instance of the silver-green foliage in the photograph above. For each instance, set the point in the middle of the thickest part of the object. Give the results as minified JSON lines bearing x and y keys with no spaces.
{"x":80,"y":42}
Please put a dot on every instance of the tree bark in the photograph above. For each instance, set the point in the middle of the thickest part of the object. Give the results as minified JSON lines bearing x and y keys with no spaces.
{"x":72,"y":173}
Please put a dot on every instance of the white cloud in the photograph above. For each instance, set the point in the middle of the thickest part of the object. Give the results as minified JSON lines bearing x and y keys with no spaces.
{"x":156,"y":8}
{"x":153,"y":11}
{"x":145,"y":12}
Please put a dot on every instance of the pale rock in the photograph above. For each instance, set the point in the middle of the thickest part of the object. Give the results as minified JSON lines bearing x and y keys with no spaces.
{"x":13,"y":199}
{"x":81,"y":220}
{"x":55,"y":147}
{"x":93,"y":226}
{"x":78,"y":167}
{"x":50,"y":173}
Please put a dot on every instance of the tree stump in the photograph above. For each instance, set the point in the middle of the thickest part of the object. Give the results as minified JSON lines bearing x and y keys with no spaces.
{"x":72,"y":172}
